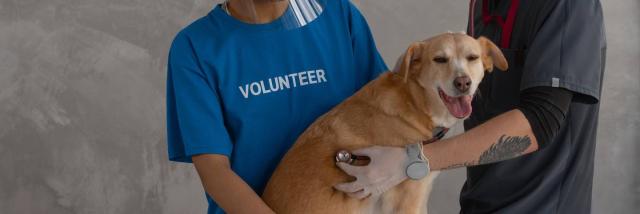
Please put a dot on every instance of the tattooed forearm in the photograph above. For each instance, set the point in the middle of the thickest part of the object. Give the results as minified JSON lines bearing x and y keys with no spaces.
{"x":507,"y":147}
{"x":453,"y":166}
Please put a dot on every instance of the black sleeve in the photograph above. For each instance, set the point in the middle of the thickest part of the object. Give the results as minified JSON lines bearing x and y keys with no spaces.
{"x":546,"y":109}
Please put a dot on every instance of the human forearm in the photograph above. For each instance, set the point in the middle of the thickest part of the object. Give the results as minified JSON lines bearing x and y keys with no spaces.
{"x":504,"y":137}
{"x":226,"y":188}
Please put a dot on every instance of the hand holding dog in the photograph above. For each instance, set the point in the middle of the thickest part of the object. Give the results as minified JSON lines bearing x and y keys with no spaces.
{"x":386,"y":169}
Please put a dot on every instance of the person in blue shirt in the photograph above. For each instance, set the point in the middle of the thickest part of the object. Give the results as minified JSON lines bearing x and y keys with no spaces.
{"x":249,"y":77}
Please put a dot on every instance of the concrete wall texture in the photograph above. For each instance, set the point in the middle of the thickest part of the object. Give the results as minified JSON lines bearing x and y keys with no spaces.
{"x":82,"y":103}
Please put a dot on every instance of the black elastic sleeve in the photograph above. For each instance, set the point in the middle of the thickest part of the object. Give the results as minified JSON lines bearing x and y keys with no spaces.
{"x":545,"y":108}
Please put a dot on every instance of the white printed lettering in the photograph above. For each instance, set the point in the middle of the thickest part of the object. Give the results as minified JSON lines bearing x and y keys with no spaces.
{"x":303,"y":78}
{"x":281,"y":83}
{"x":245,"y":92}
{"x":271,"y":84}
{"x":257,"y":88}
{"x":264,"y":89}
{"x":311,"y":75}
{"x":320,"y":73}
{"x":293,"y":78}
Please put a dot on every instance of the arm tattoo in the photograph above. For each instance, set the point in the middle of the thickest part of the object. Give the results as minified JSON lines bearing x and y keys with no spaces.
{"x":507,"y":147}
{"x":457,"y":165}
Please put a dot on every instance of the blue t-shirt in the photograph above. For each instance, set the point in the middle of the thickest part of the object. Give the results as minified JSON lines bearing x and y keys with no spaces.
{"x":248,"y":91}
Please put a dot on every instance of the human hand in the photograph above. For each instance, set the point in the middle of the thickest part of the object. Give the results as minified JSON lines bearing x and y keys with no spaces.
{"x":387,"y":168}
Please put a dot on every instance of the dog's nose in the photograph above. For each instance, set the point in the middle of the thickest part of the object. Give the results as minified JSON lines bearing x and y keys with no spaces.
{"x":462,"y":83}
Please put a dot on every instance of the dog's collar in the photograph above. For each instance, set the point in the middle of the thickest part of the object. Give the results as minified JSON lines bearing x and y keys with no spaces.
{"x":438,"y":133}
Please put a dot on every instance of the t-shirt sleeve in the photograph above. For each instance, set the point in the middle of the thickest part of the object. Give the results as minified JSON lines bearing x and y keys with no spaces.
{"x":368,"y":59}
{"x":194,"y":118}
{"x":568,"y":50}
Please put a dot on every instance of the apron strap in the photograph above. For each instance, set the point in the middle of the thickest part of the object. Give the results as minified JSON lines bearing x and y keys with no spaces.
{"x":472,"y":17}
{"x":506,"y":25}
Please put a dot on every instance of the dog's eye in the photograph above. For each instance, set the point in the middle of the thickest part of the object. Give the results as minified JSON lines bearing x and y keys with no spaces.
{"x":472,"y":57}
{"x":440,"y":59}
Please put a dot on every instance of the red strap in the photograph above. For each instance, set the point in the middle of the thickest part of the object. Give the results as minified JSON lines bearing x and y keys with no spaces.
{"x":507,"y":29}
{"x":507,"y":26}
{"x":472,"y":17}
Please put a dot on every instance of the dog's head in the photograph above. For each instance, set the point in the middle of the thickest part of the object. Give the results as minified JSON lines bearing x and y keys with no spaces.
{"x":448,"y":68}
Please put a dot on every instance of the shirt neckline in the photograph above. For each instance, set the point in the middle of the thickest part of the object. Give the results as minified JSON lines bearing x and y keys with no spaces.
{"x":218,"y":12}
{"x":277,"y":24}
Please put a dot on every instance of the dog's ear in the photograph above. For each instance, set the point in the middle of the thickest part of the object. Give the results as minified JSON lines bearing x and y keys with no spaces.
{"x":492,"y":56}
{"x":410,"y":60}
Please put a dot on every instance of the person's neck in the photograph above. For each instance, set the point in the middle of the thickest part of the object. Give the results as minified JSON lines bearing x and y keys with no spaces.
{"x":257,"y":11}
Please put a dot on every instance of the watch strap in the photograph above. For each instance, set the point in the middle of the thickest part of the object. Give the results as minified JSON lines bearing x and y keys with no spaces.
{"x":417,"y":164}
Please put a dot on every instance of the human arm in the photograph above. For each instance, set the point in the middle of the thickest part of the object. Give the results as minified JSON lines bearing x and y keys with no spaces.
{"x":564,"y":62}
{"x":196,"y":131}
{"x":568,"y":52}
{"x":566,"y":59}
{"x":506,"y":136}
{"x":226,"y":188}
{"x":529,"y":127}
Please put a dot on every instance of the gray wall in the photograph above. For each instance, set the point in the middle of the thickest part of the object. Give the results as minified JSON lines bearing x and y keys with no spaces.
{"x":82,"y":103}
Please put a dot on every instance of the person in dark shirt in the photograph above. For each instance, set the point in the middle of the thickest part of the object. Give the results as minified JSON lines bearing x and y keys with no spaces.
{"x":530,"y":141}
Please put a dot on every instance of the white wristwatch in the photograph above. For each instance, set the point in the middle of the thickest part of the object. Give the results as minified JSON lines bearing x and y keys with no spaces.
{"x":418,"y":164}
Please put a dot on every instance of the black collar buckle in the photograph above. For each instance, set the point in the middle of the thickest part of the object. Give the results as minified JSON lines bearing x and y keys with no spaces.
{"x":438,"y":133}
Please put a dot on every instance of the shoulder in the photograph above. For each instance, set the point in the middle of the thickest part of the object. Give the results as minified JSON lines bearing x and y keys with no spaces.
{"x":549,"y":7}
{"x":579,"y":17}
{"x":581,"y":3}
{"x":352,"y":8}
{"x":581,"y":7}
{"x":346,"y":4}
{"x":205,"y":30}
{"x":574,"y":15}
{"x":345,"y":7}
{"x":350,"y":13}
{"x":197,"y":39}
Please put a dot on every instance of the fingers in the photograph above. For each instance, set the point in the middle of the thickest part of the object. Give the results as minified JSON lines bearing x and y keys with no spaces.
{"x":382,"y":187}
{"x":351,"y":187}
{"x":356,"y":190}
{"x":368,"y":151}
{"x":350,"y":169}
{"x":360,"y":190}
{"x":360,"y":194}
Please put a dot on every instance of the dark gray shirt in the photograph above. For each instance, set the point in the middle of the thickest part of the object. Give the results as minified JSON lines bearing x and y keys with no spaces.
{"x":554,"y":43}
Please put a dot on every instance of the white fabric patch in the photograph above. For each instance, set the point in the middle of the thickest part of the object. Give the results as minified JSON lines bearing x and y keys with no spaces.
{"x":305,"y":11}
{"x":555,"y":82}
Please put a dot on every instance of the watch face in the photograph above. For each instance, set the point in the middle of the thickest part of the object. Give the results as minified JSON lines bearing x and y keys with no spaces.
{"x":417,"y":170}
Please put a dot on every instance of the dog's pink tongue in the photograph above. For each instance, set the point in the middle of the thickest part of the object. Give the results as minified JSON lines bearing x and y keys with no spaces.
{"x":459,"y":107}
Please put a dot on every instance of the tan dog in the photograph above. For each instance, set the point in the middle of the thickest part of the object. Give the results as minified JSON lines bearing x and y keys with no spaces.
{"x":433,"y":86}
